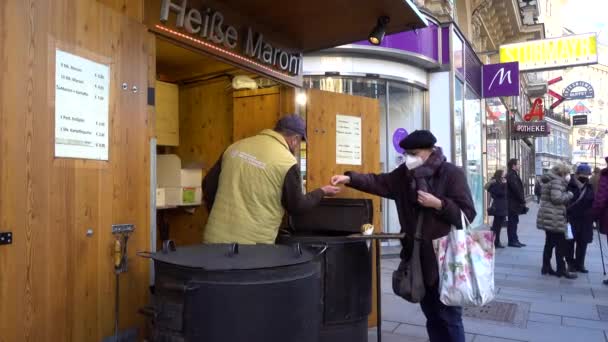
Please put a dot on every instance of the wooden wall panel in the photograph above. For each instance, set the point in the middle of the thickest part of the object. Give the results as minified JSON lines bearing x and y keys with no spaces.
{"x":57,"y":284}
{"x":321,"y":111}
{"x":132,"y":8}
{"x":255,"y":110}
{"x":205,"y":132}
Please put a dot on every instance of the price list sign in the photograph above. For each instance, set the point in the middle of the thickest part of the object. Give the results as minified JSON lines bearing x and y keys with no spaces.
{"x":81,"y":107}
{"x":348,"y":140}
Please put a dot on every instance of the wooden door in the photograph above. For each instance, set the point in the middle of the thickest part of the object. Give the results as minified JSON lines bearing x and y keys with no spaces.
{"x":57,"y":281}
{"x":321,"y":111}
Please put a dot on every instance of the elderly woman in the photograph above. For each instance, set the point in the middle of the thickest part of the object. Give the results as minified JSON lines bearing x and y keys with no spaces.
{"x":429,"y":188}
{"x":552,"y":218}
{"x":580,"y":217}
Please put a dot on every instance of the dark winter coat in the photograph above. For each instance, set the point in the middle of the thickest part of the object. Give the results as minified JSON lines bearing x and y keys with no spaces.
{"x":438,"y":177}
{"x":579,"y":210}
{"x":516,"y":200}
{"x":553,"y":200}
{"x":600,"y":204}
{"x":498,"y":191}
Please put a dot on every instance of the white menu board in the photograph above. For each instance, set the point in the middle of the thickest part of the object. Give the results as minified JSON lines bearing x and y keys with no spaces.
{"x":348,"y":140}
{"x":81,"y":107}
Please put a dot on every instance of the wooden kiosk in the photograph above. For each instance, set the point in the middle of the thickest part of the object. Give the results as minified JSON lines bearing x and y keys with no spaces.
{"x":83,"y":118}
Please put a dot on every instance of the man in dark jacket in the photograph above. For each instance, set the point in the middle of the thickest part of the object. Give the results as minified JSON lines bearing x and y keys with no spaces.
{"x":516,"y":202}
{"x":426,"y":187}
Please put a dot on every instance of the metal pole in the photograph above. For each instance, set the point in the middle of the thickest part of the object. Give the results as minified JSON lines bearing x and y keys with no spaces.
{"x":378,"y":291}
{"x":599,"y":240}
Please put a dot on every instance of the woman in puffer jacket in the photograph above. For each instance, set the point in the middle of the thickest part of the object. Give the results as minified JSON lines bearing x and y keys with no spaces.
{"x":552,"y":219}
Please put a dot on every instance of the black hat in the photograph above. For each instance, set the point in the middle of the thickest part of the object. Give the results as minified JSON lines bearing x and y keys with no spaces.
{"x":418,"y":139}
{"x":293,"y":124}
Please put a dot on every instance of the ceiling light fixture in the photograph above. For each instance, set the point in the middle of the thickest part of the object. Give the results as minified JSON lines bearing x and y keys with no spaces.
{"x":377,"y":34}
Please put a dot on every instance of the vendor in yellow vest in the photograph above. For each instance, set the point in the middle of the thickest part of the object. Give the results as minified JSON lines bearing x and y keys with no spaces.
{"x":255,"y":181}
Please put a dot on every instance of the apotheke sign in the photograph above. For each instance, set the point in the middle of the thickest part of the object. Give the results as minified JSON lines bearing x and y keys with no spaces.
{"x":209,"y":24}
{"x":530,"y":129}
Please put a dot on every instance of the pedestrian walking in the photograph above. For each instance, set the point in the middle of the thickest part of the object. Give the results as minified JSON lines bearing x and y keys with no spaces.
{"x":600,"y":206}
{"x":429,"y":188}
{"x":580,"y":218}
{"x":516,"y":202}
{"x":497,"y":187}
{"x":552,"y":219}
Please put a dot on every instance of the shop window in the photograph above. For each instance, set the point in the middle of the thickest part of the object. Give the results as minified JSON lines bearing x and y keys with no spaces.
{"x":458,"y":118}
{"x":474,"y":168}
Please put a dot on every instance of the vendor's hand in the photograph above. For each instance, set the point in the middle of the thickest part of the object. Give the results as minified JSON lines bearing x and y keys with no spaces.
{"x":330,"y":190}
{"x":428,"y":200}
{"x":339,"y":179}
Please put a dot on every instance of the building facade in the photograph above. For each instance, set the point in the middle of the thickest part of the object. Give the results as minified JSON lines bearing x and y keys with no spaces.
{"x":431,"y":79}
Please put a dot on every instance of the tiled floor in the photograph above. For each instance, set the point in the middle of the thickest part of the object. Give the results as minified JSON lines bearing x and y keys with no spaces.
{"x":558,"y":309}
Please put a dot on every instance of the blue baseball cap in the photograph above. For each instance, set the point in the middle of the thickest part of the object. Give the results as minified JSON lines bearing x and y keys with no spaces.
{"x":292,"y":123}
{"x":584,"y":169}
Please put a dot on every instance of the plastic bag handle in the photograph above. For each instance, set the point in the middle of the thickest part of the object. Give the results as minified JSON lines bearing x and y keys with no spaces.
{"x":464,"y":220}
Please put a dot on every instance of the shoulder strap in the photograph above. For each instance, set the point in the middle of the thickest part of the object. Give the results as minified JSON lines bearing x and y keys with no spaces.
{"x":580,"y":197}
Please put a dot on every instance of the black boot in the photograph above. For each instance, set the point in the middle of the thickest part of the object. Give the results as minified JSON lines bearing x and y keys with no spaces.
{"x":564,"y":273}
{"x":548,"y":270}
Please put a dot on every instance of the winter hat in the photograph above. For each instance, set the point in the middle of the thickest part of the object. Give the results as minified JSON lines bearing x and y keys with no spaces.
{"x":418,"y":139}
{"x":583,"y":169}
{"x":292,"y":123}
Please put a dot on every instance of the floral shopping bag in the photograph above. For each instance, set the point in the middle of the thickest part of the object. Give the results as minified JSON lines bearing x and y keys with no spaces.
{"x":466,"y":266}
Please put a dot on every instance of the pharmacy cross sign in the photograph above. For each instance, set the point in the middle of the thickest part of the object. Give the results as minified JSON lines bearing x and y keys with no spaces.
{"x":500,"y":80}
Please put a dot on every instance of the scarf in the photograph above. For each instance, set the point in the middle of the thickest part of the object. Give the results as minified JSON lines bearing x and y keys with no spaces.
{"x":425,"y":171}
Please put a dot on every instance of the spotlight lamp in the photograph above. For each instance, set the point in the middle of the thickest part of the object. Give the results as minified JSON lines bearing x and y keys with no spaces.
{"x":377,"y":34}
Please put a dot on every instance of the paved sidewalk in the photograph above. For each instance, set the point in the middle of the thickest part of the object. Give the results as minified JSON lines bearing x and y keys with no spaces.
{"x":532,"y":307}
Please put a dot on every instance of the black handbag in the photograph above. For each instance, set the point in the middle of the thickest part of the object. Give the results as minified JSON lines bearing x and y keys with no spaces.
{"x":408,"y":279}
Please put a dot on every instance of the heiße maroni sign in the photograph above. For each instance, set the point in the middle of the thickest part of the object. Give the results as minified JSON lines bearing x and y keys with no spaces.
{"x":209,"y":24}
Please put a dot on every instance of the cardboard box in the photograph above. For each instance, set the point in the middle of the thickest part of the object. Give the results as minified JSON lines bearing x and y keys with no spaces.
{"x":168,"y":171}
{"x":161,"y":200}
{"x":170,"y":174}
{"x":181,"y":196}
{"x":191,"y":178}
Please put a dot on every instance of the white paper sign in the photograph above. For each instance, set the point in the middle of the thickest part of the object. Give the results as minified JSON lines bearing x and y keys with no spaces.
{"x":81,"y":107}
{"x":348,"y":140}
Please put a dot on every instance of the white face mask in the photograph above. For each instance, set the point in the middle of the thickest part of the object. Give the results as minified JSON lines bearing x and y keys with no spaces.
{"x":413,"y":162}
{"x":567,"y":178}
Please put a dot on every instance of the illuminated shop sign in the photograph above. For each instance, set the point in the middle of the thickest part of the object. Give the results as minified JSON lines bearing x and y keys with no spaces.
{"x":552,"y":53}
{"x":208,"y":27}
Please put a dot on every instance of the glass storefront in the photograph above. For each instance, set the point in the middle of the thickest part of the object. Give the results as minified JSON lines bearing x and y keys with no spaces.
{"x":474,"y":169}
{"x":458,"y":118}
{"x":402,"y":106}
{"x":496,"y":136}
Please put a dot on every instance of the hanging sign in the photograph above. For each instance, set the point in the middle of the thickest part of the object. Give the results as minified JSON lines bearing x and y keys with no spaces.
{"x":530,"y":129}
{"x":552,"y":53}
{"x":81,"y":107}
{"x":500,"y":80}
{"x":579,"y":120}
{"x":348,"y":140}
{"x":579,"y":90}
{"x":580,"y":108}
{"x":398,"y":136}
